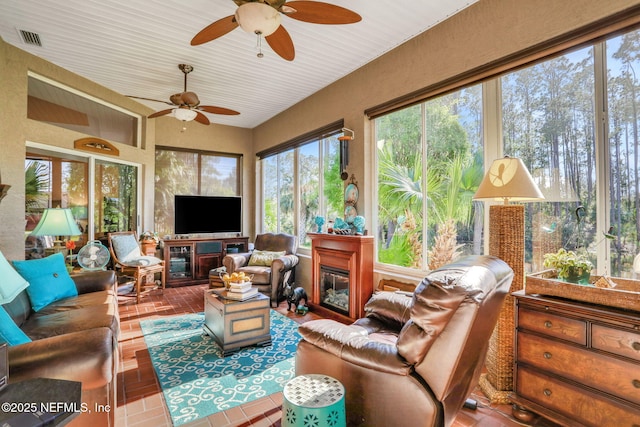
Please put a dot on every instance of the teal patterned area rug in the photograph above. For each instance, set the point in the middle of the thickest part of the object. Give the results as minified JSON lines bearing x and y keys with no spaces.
{"x":197,"y":381}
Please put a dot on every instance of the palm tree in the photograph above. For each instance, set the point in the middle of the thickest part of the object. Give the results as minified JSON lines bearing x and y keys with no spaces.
{"x":36,"y":180}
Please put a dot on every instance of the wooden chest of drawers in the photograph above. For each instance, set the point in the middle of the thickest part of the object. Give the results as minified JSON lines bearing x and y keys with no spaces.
{"x":576,"y":363}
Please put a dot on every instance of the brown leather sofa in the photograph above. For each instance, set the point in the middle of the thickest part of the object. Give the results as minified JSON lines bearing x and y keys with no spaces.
{"x":268,"y":278}
{"x":73,"y":339}
{"x":413,"y":360}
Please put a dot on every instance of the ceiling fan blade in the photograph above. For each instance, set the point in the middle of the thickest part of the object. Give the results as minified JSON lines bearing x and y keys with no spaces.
{"x":148,"y":99}
{"x":281,"y":43}
{"x":218,"y":110}
{"x":317,"y":12}
{"x":201,"y":118}
{"x":160,"y":113}
{"x":215,"y":30}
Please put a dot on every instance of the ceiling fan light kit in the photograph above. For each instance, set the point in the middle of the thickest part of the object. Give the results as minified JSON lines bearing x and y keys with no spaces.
{"x":184,"y":114}
{"x":186,"y":105}
{"x":258,"y":18}
{"x":262,"y":17}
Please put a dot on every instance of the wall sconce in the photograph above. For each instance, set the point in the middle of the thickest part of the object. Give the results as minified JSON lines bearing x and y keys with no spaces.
{"x":4,"y":188}
{"x":347,"y":135}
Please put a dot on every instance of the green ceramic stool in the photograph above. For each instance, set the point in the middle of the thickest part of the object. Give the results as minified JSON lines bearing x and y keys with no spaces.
{"x":313,"y":400}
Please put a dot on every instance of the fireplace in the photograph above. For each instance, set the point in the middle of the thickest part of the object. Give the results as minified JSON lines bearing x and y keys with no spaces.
{"x":342,"y":277}
{"x":334,"y":289}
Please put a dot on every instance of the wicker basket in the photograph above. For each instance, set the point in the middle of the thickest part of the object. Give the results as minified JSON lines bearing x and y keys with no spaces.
{"x":625,"y":294}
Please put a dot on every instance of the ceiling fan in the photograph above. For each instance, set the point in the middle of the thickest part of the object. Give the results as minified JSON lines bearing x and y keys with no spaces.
{"x":186,"y":105}
{"x":262,"y":17}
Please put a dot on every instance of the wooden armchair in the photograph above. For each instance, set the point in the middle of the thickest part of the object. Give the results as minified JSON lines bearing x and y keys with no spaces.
{"x":129,"y":260}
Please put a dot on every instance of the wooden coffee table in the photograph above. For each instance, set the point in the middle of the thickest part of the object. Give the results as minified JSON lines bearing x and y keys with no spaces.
{"x":237,"y":324}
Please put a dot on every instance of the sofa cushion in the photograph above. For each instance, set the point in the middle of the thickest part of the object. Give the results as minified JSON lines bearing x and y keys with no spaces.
{"x":48,"y":280}
{"x":260,"y":273}
{"x":12,"y":282}
{"x":264,"y":257}
{"x":10,"y":333}
{"x":73,"y":315}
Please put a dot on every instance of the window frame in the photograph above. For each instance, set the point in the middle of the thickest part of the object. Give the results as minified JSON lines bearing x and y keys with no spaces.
{"x":594,"y":36}
{"x":91,"y":182}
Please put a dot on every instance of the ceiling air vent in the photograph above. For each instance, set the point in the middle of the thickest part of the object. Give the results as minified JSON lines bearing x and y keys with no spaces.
{"x":29,"y":37}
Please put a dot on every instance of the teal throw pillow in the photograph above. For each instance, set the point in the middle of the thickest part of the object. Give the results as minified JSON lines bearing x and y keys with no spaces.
{"x":11,"y":283}
{"x":264,"y":257}
{"x":48,"y":278}
{"x":9,"y":331}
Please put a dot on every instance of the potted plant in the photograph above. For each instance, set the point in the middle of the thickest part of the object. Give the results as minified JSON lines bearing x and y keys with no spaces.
{"x":571,"y":266}
{"x":148,"y":242}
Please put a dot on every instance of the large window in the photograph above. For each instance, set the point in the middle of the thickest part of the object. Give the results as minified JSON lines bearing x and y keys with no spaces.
{"x":62,"y":179}
{"x":551,"y":120}
{"x":429,"y":164}
{"x":302,"y":182}
{"x":116,"y":197}
{"x":572,"y":119}
{"x":191,"y":173}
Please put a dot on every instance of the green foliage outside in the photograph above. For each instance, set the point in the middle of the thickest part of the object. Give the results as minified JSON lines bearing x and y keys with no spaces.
{"x":414,"y":192}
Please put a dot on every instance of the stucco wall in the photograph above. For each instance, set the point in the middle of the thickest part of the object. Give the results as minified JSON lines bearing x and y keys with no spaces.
{"x":16,"y":129}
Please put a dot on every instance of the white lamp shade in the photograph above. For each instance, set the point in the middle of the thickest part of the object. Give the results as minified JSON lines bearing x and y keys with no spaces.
{"x":258,"y":18}
{"x":184,"y":114}
{"x":57,"y":222}
{"x":509,"y":180}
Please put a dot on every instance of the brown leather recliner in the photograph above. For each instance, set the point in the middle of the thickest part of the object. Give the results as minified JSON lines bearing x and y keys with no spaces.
{"x":413,"y":360}
{"x":269,"y":279}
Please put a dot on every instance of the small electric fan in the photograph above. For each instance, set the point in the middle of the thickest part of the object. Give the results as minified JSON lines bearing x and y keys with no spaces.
{"x":93,"y":256}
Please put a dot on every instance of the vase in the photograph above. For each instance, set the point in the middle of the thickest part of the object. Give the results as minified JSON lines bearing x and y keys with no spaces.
{"x":148,"y":247}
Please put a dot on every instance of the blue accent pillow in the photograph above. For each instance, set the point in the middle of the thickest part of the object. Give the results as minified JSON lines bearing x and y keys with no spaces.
{"x":48,"y":278}
{"x":9,"y":331}
{"x":12,"y":283}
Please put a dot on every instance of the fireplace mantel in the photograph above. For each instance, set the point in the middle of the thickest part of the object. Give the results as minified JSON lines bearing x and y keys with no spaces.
{"x":353,"y":254}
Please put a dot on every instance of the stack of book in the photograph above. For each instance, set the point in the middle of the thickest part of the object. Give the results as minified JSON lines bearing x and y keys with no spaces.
{"x":241,"y":291}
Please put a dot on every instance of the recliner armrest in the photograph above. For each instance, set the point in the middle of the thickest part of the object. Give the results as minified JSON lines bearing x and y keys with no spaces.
{"x":353,"y":344}
{"x":234,"y":261}
{"x":94,"y":281}
{"x":284,"y":263}
{"x":85,"y":356}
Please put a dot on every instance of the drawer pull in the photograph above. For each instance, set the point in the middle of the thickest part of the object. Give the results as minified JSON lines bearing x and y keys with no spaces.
{"x":547,"y":392}
{"x":636,"y":345}
{"x":636,"y":383}
{"x":546,"y":355}
{"x":548,"y":324}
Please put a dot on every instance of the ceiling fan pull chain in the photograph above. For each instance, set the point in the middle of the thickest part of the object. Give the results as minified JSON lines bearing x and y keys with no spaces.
{"x":259,"y":44}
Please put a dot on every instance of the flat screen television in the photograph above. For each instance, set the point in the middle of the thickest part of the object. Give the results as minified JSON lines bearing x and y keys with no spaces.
{"x":207,"y":214}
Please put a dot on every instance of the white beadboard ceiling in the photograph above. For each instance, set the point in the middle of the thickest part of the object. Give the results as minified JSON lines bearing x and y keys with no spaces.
{"x":134,"y":47}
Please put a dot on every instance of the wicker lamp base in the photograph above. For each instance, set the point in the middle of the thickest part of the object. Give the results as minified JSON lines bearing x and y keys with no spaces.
{"x":506,"y":241}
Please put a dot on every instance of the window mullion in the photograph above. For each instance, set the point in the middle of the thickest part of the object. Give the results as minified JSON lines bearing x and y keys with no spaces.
{"x":602,"y":154}
{"x":425,"y":196}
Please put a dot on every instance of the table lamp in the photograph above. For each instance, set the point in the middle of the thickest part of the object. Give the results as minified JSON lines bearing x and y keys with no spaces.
{"x":506,"y":180}
{"x":57,"y":222}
